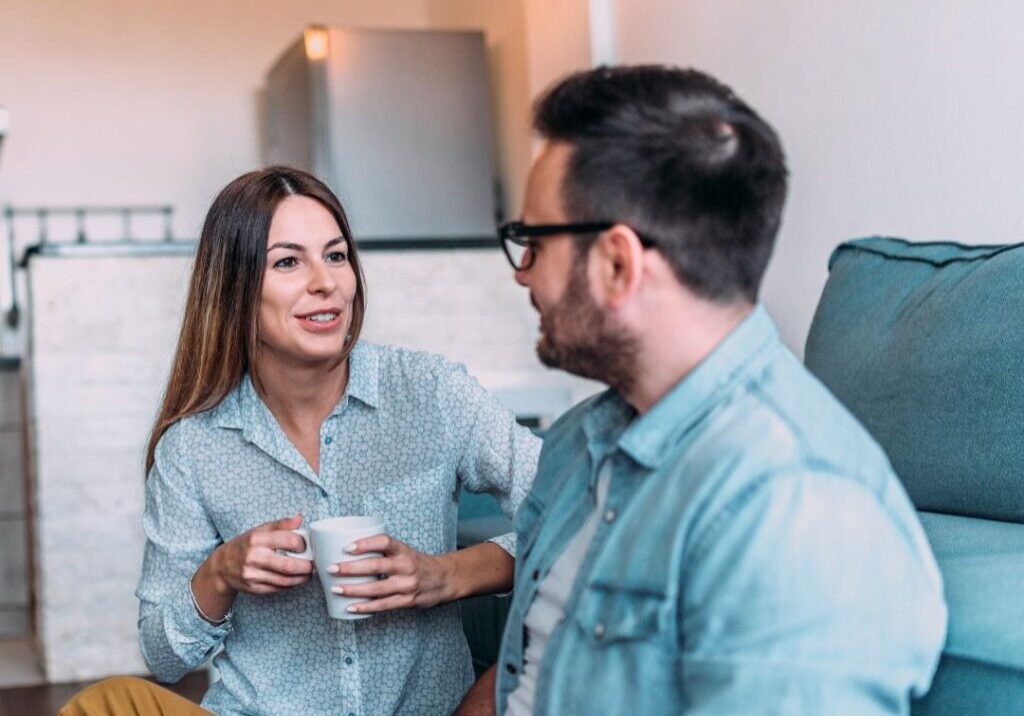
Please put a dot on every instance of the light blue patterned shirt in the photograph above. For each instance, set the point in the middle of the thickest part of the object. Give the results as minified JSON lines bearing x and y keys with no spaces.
{"x":409,"y":431}
{"x":755,"y":555}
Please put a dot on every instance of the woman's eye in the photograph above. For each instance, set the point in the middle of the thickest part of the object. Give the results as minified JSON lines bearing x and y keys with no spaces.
{"x":285,"y":263}
{"x":337,"y":257}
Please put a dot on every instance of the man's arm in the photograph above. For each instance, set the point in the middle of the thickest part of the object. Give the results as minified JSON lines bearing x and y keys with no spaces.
{"x":480,"y":699}
{"x":806,"y":596}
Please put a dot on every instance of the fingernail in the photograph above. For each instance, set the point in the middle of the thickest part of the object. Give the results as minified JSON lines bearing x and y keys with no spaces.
{"x":338,"y":590}
{"x":351,"y":548}
{"x":352,"y":610}
{"x":333,"y":569}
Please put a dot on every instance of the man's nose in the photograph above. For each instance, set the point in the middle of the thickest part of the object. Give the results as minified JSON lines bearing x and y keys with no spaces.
{"x":521,"y":276}
{"x":526,"y":263}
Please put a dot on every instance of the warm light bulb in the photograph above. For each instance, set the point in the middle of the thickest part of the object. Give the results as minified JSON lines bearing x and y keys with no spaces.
{"x":316,"y":43}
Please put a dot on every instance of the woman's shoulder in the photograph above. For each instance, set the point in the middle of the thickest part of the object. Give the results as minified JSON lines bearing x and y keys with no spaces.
{"x":408,"y":363}
{"x":198,"y":429}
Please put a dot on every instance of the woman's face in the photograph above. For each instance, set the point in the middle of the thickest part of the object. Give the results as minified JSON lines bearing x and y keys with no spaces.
{"x":308,"y":286}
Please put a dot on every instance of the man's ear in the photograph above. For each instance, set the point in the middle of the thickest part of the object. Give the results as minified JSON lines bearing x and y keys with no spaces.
{"x":616,"y":265}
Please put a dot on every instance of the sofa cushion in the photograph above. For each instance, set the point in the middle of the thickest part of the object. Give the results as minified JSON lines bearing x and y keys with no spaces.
{"x":982,"y":670}
{"x":924,"y":343}
{"x":982,"y":565}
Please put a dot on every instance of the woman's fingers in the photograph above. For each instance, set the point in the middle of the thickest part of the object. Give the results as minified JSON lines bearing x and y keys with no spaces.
{"x":398,"y":601}
{"x":377,"y":543}
{"x":273,"y":562}
{"x":286,"y":523}
{"x":378,"y":589}
{"x":264,"y":581}
{"x":366,"y":567}
{"x":278,"y":539}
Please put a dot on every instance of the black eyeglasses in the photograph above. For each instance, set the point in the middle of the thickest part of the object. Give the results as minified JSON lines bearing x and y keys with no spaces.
{"x":517,"y":238}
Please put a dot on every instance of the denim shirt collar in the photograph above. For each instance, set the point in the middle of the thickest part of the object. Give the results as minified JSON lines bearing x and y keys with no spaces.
{"x":646,"y":439}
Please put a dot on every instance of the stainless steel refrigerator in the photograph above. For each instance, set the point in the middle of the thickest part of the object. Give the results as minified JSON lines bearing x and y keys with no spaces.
{"x":397,"y":122}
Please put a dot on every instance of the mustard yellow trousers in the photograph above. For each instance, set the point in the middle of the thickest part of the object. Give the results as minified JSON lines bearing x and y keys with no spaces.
{"x":129,"y":696}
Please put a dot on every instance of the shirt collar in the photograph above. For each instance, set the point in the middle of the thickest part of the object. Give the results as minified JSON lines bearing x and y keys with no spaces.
{"x":364,"y":375}
{"x":648,"y":437}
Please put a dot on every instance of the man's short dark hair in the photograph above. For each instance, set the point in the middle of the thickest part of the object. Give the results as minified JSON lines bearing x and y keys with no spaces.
{"x":678,"y":157}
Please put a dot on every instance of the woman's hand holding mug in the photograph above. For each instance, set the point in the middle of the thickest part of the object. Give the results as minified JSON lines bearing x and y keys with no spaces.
{"x":250,"y":563}
{"x":409,"y":578}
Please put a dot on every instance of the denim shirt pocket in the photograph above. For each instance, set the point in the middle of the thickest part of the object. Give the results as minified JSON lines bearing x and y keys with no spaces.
{"x":607,"y":616}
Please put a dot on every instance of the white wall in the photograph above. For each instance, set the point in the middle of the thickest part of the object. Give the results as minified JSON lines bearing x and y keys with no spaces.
{"x":899,"y":118}
{"x":120,"y":101}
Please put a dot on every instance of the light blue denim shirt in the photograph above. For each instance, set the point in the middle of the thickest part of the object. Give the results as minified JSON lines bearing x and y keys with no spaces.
{"x":410,"y":429}
{"x":756,"y":554}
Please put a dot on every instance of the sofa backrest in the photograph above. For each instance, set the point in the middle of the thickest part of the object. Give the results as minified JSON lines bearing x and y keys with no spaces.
{"x":924,"y":343}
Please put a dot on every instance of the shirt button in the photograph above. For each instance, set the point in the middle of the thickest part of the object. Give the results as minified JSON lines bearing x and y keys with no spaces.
{"x":510,"y":668}
{"x":348,"y":660}
{"x":609,"y":516}
{"x":328,"y":439}
{"x":599,"y":631}
{"x":323,"y":492}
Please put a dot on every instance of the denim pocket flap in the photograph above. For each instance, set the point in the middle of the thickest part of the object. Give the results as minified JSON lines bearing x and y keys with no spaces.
{"x":607,"y":616}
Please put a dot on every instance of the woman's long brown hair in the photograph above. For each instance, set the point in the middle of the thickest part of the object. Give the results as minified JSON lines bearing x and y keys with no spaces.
{"x":219,"y":338}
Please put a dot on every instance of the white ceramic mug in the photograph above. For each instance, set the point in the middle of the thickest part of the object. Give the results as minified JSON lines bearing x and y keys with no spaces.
{"x":326,"y":541}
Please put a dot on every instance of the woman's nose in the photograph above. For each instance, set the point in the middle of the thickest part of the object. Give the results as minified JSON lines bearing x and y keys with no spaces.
{"x":321,"y":280}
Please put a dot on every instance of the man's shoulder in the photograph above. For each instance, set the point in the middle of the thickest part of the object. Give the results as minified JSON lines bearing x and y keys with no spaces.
{"x":786,"y":421}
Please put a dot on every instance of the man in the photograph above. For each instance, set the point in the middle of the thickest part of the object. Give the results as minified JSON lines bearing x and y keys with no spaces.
{"x":714,"y":534}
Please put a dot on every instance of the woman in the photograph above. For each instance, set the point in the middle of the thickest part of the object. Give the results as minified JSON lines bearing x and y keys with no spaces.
{"x":275,"y":413}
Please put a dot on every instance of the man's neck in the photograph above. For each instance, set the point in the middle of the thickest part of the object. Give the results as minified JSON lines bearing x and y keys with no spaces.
{"x":301,"y":395}
{"x":673,"y":344}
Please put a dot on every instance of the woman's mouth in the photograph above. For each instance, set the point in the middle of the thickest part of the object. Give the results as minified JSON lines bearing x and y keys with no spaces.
{"x":320,"y":322}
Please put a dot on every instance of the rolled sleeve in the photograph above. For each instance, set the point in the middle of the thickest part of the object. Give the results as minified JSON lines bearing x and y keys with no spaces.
{"x":506,"y":541}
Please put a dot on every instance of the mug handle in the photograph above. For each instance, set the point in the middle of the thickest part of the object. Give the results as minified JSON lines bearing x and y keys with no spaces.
{"x":307,"y":553}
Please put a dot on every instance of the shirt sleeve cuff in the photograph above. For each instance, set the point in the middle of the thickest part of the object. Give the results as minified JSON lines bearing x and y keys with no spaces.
{"x":192,"y":627}
{"x":507,"y":542}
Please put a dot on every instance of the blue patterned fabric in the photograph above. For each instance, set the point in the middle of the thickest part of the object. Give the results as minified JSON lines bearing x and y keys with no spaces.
{"x":410,"y":430}
{"x":756,"y":554}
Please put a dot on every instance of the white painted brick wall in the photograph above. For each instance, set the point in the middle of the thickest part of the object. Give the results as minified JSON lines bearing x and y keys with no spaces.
{"x":102,"y":331}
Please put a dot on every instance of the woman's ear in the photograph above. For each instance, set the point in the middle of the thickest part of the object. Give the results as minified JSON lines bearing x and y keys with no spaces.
{"x":617,"y":263}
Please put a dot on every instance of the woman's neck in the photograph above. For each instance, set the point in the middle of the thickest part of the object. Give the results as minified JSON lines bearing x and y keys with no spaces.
{"x":301,"y":395}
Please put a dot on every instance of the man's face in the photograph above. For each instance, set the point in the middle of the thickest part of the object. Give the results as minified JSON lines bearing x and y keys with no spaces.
{"x":576,"y":335}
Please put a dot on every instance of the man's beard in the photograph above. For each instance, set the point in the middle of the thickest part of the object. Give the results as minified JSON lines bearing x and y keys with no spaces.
{"x":578,"y":337}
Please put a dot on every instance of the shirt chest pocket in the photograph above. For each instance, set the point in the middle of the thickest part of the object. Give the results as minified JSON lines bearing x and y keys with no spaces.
{"x":607,"y":617}
{"x":416,"y":508}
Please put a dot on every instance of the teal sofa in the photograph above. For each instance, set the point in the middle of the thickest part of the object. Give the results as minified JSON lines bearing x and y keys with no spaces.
{"x":924,"y":343}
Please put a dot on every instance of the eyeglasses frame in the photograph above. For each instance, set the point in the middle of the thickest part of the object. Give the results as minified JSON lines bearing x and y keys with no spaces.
{"x":519,"y":233}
